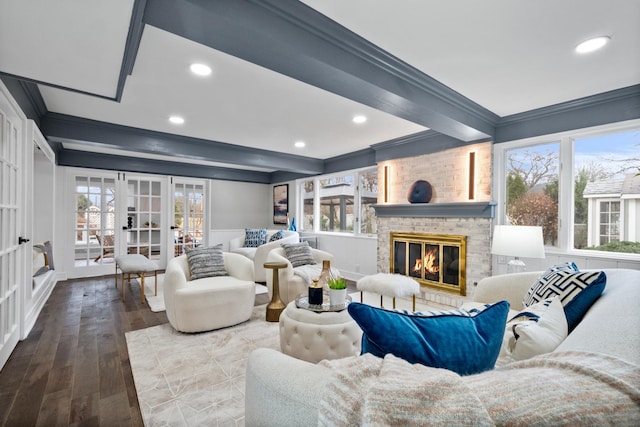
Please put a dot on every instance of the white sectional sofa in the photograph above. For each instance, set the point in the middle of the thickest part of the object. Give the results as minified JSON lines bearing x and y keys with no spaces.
{"x":259,"y":255}
{"x":281,"y":390}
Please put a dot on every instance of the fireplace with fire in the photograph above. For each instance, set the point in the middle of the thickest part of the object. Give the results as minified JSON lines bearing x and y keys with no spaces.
{"x":434,"y":260}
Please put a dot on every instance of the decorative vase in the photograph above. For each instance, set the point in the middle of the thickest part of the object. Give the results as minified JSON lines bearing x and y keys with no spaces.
{"x":315,"y":293}
{"x":325,"y":275}
{"x":337,"y":296}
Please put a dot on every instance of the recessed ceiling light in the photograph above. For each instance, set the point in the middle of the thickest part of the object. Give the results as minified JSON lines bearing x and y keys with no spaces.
{"x":200,"y":69}
{"x":359,"y":119}
{"x":592,"y":44}
{"x":176,"y":120}
{"x":299,"y":144}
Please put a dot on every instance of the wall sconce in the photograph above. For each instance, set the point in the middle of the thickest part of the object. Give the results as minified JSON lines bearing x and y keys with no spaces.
{"x":472,"y":175}
{"x":385,"y":196}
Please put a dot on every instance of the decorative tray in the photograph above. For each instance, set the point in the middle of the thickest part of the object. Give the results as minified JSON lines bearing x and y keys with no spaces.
{"x":303,"y":302}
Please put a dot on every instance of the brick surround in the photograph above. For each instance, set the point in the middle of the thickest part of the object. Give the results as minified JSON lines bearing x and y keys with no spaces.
{"x":447,"y":173}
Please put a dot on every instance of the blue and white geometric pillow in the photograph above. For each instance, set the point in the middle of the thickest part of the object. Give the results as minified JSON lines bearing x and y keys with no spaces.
{"x":254,"y":237}
{"x":277,"y":236}
{"x":569,"y":267}
{"x":576,"y":291}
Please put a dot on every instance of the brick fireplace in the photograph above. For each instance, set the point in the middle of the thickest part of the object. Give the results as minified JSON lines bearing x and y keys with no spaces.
{"x":435,"y":260}
{"x":450,"y":212}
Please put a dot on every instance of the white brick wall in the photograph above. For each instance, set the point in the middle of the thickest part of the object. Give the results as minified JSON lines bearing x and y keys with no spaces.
{"x":447,"y":173}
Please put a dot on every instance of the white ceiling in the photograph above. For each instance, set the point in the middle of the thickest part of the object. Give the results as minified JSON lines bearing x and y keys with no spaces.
{"x":509,"y":56}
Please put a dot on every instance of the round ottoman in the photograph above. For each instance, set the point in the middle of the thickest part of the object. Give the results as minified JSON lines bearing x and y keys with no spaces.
{"x":313,"y":336}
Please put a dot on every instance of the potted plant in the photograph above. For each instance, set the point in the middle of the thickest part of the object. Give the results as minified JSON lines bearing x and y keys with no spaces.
{"x":337,"y":290}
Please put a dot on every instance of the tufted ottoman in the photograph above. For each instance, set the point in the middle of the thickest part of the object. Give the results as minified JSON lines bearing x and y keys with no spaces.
{"x":312,"y":336}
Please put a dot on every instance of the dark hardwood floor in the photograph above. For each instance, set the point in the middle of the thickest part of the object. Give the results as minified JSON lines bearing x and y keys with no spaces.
{"x":74,"y":369}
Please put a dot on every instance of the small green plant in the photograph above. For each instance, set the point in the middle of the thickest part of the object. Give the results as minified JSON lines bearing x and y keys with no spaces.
{"x":337,"y":283}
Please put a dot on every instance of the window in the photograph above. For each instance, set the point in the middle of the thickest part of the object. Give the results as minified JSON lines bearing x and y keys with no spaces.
{"x":532,"y":188}
{"x":609,"y":222}
{"x":582,"y":188}
{"x":94,"y":220}
{"x":340,"y":203}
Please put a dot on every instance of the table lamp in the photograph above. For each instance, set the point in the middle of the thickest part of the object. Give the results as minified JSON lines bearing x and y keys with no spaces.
{"x":517,"y":241}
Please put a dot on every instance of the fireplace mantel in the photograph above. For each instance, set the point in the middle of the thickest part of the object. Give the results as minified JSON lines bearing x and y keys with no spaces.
{"x":438,"y":210}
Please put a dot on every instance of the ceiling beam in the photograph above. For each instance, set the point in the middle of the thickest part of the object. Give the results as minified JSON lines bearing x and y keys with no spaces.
{"x":62,"y":128}
{"x":293,"y":39}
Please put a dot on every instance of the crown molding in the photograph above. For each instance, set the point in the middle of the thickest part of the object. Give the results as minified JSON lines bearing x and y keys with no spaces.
{"x":603,"y":108}
{"x":86,"y":159}
{"x":62,"y":128}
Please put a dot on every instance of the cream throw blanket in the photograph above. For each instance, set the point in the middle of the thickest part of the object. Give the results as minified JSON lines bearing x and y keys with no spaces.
{"x":565,"y":388}
{"x":308,"y":272}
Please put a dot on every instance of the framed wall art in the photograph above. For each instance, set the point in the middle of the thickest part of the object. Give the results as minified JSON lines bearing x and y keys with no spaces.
{"x":280,"y":203}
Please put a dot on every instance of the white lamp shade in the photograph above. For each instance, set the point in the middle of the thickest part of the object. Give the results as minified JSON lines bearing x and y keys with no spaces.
{"x":518,"y":241}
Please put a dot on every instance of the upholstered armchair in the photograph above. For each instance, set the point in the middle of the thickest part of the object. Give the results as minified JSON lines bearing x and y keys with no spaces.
{"x":292,"y":284}
{"x":211,"y":302}
{"x":259,"y":255}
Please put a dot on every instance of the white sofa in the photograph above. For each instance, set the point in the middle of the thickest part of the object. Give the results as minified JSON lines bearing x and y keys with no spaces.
{"x":259,"y":255}
{"x":211,"y":302}
{"x":281,"y":390}
{"x":290,"y":284}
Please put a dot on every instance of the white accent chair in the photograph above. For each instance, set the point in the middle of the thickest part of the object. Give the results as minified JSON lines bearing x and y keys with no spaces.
{"x":211,"y":302}
{"x":259,"y":255}
{"x":292,"y":285}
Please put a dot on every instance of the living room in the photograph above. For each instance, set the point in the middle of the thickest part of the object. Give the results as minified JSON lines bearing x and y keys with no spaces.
{"x":461,"y":125}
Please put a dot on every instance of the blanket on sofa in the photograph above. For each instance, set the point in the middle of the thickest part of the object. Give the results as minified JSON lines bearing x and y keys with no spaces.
{"x":564,"y":388}
{"x":308,"y":272}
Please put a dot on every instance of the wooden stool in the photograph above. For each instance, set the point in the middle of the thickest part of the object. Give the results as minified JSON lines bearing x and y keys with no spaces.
{"x":275,"y":307}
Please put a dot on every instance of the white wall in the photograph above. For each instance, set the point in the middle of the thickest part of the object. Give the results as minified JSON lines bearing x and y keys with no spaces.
{"x":240,"y":204}
{"x":354,"y":256}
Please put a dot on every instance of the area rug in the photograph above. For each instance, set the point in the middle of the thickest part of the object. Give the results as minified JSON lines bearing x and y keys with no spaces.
{"x":156,"y":302}
{"x":196,"y":379}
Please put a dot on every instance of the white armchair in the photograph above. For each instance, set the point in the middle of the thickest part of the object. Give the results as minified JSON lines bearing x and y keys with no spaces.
{"x":259,"y":255}
{"x":292,"y":285}
{"x":211,"y":302}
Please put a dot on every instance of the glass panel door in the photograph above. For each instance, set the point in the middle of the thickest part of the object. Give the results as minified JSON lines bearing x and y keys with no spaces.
{"x":94,"y":219}
{"x":189,"y":216}
{"x":144,"y":217}
{"x":11,"y":211}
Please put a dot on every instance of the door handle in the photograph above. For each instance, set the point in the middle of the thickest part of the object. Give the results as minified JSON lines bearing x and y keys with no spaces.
{"x":173,"y":227}
{"x":22,"y":240}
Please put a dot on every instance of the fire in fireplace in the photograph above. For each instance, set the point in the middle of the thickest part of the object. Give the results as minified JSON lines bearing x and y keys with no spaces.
{"x":435,"y":260}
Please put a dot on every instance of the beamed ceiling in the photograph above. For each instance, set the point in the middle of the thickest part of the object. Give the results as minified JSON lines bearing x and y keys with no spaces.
{"x":101,"y":78}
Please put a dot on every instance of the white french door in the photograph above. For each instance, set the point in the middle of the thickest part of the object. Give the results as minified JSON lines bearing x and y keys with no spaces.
{"x":189,"y":214}
{"x":11,"y":212}
{"x":144,"y":228}
{"x":116,"y":213}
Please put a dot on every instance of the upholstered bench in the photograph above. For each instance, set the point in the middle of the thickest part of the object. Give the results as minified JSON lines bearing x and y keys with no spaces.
{"x":389,"y":285}
{"x":139,"y":265}
{"x":312,"y":336}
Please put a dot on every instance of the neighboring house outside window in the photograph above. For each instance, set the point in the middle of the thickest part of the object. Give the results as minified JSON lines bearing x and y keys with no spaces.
{"x":613,"y":210}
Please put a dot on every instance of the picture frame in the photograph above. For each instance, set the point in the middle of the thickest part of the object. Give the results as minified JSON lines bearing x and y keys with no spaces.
{"x":280,"y":203}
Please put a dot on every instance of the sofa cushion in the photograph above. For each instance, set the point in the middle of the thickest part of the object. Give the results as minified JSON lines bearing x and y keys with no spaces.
{"x":542,"y":335}
{"x":278,"y":235}
{"x":576,"y":291}
{"x":461,"y":341}
{"x":530,"y":297}
{"x":254,"y":237}
{"x":298,"y":253}
{"x":206,"y":261}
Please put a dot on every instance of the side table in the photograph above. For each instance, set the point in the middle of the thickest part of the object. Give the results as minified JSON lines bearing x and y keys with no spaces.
{"x":275,"y":307}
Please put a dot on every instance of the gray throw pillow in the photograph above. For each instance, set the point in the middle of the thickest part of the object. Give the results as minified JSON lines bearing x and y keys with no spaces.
{"x":206,"y":261}
{"x":298,"y":253}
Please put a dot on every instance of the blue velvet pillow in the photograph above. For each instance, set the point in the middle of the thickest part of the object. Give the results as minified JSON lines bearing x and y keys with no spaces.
{"x":463,"y":343}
